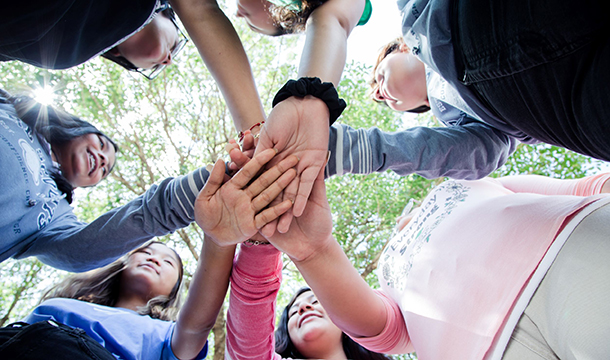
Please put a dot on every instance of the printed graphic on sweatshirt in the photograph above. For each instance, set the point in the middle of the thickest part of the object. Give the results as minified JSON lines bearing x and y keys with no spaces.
{"x":402,"y":250}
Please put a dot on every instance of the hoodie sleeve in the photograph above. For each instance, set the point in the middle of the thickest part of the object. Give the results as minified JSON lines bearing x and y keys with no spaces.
{"x":71,"y":245}
{"x":467,"y":151}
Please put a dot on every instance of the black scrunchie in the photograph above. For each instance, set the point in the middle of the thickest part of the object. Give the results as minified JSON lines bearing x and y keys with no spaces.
{"x":315,"y":87}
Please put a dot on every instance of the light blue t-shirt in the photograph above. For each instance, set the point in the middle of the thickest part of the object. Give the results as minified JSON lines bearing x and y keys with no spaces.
{"x":125,"y":333}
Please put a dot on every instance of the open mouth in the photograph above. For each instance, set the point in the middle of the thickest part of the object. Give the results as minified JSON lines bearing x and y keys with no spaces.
{"x":92,"y":162}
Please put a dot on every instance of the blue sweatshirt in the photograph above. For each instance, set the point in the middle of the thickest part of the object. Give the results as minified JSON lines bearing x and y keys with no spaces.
{"x":38,"y":221}
{"x":125,"y":333}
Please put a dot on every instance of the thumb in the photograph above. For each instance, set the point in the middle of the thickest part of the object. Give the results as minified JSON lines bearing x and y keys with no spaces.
{"x":215,"y":180}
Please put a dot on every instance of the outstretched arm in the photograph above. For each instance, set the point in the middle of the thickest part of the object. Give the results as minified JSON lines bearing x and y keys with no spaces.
{"x":301,"y":124}
{"x":352,"y":305}
{"x":222,"y":51}
{"x":255,"y":283}
{"x":215,"y":211}
{"x":587,"y":186}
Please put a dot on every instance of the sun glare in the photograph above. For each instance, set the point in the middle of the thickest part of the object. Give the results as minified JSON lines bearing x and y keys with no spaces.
{"x":44,"y":95}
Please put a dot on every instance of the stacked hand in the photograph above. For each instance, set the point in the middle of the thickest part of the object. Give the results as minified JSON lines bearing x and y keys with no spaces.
{"x":298,"y":127}
{"x":233,"y":212}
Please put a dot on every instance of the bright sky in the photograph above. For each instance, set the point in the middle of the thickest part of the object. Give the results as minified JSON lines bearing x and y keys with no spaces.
{"x":365,"y":41}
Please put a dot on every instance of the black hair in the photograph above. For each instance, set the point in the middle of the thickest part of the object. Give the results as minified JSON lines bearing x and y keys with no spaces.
{"x":121,"y":60}
{"x":55,"y":127}
{"x":285,"y":348}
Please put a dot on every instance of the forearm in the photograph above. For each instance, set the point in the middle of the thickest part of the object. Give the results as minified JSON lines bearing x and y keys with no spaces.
{"x":255,"y":282}
{"x":222,"y":51}
{"x":347,"y":298}
{"x":327,"y":31}
{"x":204,"y":300}
{"x":461,"y":152}
{"x":544,"y":185}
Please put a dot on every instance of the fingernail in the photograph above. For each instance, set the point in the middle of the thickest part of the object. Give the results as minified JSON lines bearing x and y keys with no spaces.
{"x":209,"y":167}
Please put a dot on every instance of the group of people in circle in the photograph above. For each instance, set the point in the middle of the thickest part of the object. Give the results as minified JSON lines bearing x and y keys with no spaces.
{"x":506,"y":268}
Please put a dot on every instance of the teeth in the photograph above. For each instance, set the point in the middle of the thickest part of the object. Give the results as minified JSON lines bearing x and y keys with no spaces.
{"x":91,"y":163}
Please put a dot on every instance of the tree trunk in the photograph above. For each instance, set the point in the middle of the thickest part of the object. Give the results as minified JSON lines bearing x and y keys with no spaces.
{"x":220,"y":335}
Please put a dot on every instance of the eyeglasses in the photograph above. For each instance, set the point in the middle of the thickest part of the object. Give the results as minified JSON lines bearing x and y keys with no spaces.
{"x":153,"y":72}
{"x":157,"y":69}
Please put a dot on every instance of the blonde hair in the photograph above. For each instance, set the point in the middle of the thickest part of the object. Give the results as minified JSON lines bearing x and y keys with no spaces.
{"x":101,"y":286}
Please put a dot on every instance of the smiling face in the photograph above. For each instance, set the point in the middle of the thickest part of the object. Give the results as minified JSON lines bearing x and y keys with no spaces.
{"x":152,"y":45}
{"x":401,"y":81}
{"x":151,"y":271}
{"x":86,"y":159}
{"x":256,"y":13}
{"x":309,"y":326}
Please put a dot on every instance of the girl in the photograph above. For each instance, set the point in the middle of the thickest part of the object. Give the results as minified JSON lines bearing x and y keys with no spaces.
{"x":126,"y":306}
{"x":85,"y":154}
{"x":39,"y":220}
{"x":483,"y":268}
{"x":138,"y":35}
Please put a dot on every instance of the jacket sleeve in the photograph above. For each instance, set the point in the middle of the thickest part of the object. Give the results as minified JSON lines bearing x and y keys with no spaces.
{"x":255,"y":282}
{"x":69,"y":244}
{"x":467,"y":151}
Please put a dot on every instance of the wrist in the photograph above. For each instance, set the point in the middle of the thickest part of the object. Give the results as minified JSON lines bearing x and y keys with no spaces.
{"x":315,"y":87}
{"x":317,"y":254}
{"x":217,"y":244}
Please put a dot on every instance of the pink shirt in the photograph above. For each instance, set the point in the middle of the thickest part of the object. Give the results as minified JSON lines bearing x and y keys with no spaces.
{"x":453,"y":287}
{"x":457,"y":268}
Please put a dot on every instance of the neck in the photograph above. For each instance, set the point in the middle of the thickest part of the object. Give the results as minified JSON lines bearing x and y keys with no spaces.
{"x":330,"y":353}
{"x":131,"y":303}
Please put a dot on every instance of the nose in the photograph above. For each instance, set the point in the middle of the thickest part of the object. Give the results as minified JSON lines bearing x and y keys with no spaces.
{"x":168,"y":59}
{"x":305,"y":306}
{"x":377,"y":93}
{"x":103,"y":160}
{"x":153,"y":259}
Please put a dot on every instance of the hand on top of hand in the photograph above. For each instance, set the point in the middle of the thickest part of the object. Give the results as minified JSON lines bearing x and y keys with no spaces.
{"x":297,"y":126}
{"x":312,"y":231}
{"x":233,"y":212}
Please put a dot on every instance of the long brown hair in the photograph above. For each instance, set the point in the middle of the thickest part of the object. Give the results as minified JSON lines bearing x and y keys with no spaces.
{"x":101,"y":286}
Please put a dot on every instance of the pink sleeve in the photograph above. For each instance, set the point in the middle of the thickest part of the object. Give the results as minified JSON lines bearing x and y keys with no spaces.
{"x":587,"y":186}
{"x":255,"y":282}
{"x":394,"y":338}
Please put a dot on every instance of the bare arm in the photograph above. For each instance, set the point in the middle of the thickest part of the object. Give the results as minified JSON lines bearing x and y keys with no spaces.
{"x":328,"y":28}
{"x":352,"y":305}
{"x":323,"y":56}
{"x":222,"y":51}
{"x":205,"y":298}
{"x":587,"y":186}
